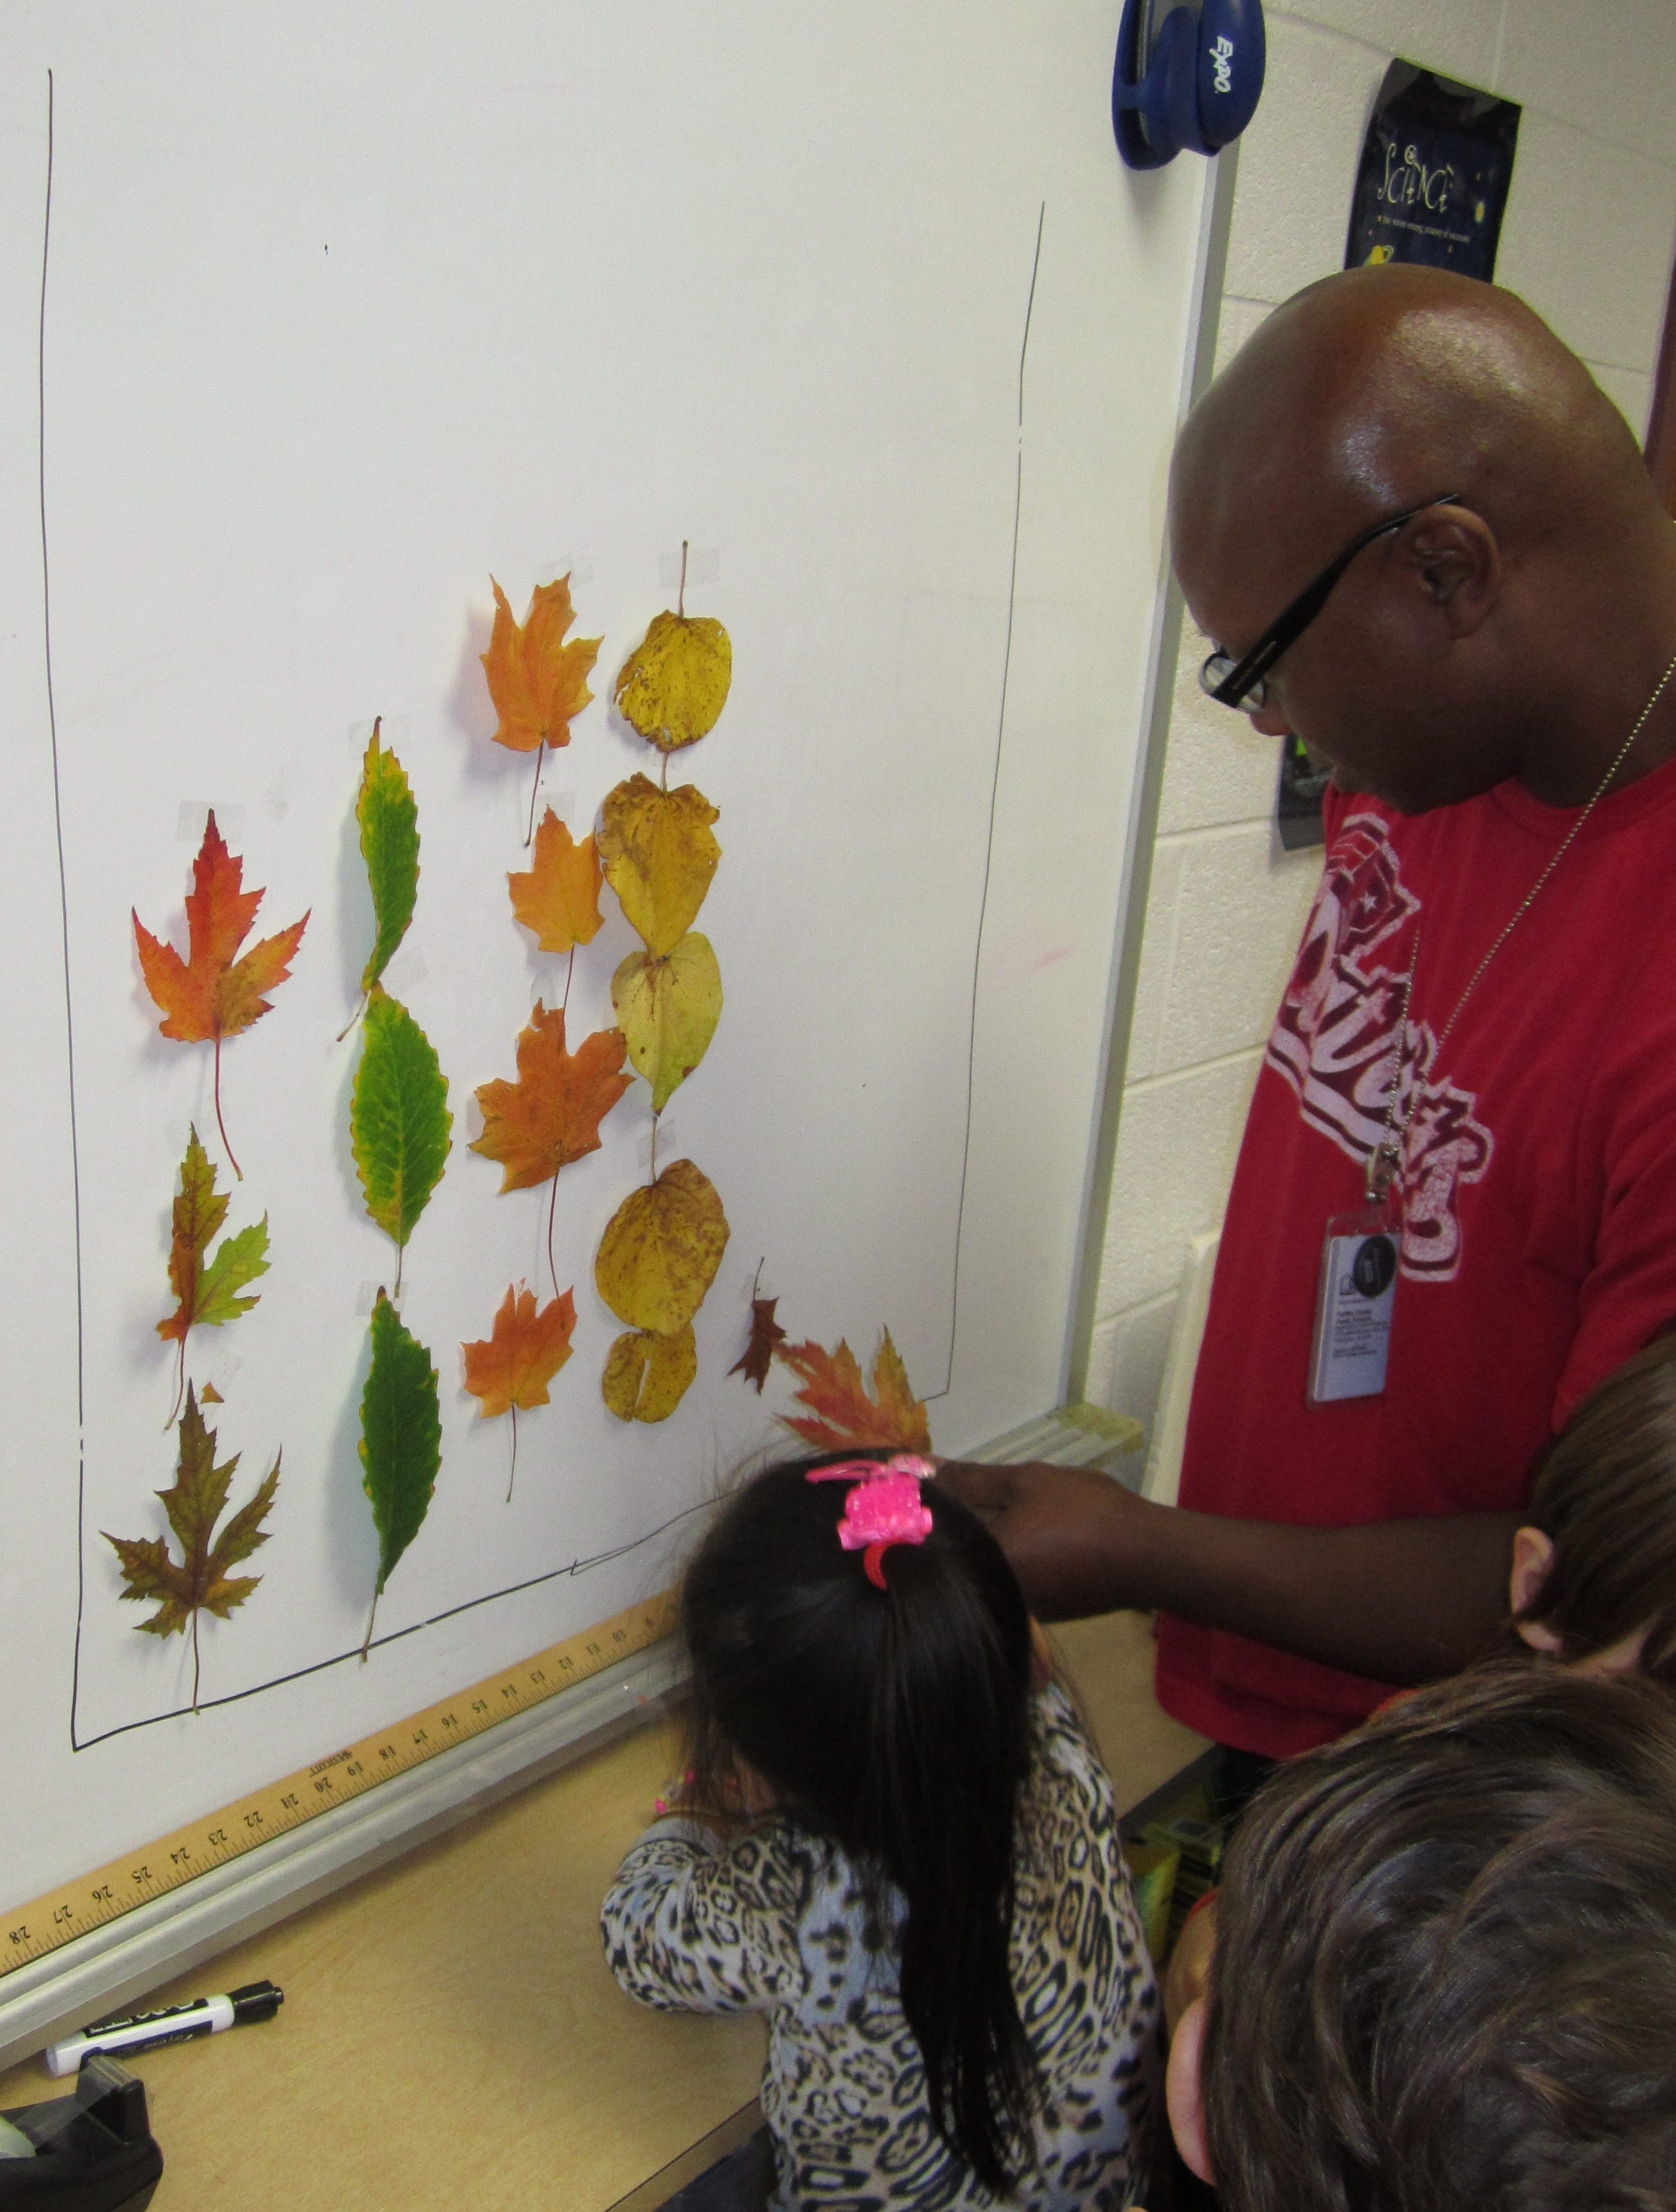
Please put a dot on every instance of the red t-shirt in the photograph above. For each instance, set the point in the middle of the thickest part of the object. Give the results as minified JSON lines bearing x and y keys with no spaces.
{"x":1539,"y":1249}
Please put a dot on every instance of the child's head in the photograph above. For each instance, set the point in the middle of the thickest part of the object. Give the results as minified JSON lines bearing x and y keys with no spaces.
{"x":1594,"y":1573}
{"x":1445,"y":1971}
{"x":895,"y":1721}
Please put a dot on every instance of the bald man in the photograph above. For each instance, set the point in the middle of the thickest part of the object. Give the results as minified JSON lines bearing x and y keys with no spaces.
{"x":1423,"y":541}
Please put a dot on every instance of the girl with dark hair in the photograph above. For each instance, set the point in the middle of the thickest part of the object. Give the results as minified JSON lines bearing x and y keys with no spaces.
{"x":898,"y":1842}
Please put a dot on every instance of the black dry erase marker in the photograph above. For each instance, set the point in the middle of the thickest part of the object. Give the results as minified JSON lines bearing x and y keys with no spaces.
{"x":148,"y":2031}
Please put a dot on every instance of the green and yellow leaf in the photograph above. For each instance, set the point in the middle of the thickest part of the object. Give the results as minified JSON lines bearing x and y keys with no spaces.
{"x":667,"y":1007}
{"x":388,"y":820}
{"x":401,"y":1435}
{"x":400,"y":1121}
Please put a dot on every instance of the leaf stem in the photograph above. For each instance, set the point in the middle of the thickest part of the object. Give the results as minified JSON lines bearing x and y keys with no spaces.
{"x":570,"y":971}
{"x":180,"y":1387}
{"x":196,"y":1668}
{"x":359,"y":1009}
{"x":219,"y":1124}
{"x":540,"y":755}
{"x":656,"y":1118}
{"x":681,"y":596}
{"x":367,"y":1640}
{"x":512,"y":1475}
{"x":551,"y":1203}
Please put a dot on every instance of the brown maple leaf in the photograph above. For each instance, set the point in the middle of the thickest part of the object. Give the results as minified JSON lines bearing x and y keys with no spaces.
{"x":842,"y":1412}
{"x":212,"y":994}
{"x":536,"y":681}
{"x":200,"y":1581}
{"x":551,"y":1115}
{"x":524,"y":1350}
{"x":765,"y":1333}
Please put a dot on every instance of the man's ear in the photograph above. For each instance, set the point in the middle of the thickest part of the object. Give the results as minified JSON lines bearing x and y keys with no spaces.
{"x":1533,"y":1556}
{"x":1183,"y":2092}
{"x":1451,"y":555}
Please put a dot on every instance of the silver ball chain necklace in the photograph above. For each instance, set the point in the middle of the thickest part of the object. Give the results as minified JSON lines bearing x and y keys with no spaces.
{"x":1385,"y":1160}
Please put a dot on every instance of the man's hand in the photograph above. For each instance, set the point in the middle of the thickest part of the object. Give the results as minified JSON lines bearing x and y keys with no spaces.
{"x":1395,"y":1601}
{"x":1068,"y":1532}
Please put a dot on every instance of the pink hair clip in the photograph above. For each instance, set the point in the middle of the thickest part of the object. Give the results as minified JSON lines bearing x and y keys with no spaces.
{"x":884,"y":1507}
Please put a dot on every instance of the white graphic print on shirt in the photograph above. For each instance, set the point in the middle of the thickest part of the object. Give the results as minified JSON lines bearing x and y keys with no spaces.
{"x":1334,"y":1036}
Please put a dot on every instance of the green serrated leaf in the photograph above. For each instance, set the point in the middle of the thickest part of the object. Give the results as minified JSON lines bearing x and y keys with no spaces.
{"x":401,"y":1435}
{"x":239,"y":1260}
{"x":400,"y":1121}
{"x":388,"y":820}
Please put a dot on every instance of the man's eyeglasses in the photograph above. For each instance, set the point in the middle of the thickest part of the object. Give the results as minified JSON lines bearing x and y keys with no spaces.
{"x":1240,"y":682}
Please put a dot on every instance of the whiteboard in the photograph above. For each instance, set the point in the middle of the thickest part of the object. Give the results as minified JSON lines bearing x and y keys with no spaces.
{"x":346,"y":308}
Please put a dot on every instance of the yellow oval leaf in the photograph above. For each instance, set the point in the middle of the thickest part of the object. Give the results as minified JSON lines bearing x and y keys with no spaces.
{"x":647,"y":1376}
{"x":668,"y":1010}
{"x":658,"y":856}
{"x":674,"y":683}
{"x":661,"y":1249}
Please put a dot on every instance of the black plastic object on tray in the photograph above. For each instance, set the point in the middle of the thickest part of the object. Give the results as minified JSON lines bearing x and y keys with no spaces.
{"x":91,"y":2151}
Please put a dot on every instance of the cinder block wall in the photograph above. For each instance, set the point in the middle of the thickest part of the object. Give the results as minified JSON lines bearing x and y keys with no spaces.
{"x":1588,"y":241}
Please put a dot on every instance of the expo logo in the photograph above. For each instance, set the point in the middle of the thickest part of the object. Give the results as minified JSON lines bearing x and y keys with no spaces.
{"x":1221,"y":59}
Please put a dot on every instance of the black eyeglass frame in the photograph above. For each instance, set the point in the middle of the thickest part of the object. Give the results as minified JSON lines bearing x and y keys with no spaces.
{"x":1233,"y":682}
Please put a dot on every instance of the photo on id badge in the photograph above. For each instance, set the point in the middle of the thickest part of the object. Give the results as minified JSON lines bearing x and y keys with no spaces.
{"x":1353,"y":1305}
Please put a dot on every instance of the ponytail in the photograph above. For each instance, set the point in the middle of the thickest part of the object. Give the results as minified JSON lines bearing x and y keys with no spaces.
{"x":896,"y":1723}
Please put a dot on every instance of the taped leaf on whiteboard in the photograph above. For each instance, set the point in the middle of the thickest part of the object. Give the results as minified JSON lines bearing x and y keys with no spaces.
{"x":551,"y":1115}
{"x":674,"y":684}
{"x":842,"y":1412}
{"x":765,"y":1334}
{"x":524,"y":1350}
{"x":658,"y":855}
{"x":399,"y":1123}
{"x":200,"y":1581}
{"x":661,"y":1248}
{"x":214,"y":992}
{"x":557,"y":898}
{"x":388,"y":817}
{"x":536,"y":681}
{"x":647,"y":1376}
{"x":668,"y":1008}
{"x":207,"y":1291}
{"x":401,"y":1435}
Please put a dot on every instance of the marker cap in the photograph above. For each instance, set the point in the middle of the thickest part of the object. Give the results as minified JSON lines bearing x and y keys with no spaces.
{"x":255,"y":2001}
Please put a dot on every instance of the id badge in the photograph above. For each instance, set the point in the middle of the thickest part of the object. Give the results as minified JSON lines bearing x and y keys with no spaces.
{"x":1354,"y":1301}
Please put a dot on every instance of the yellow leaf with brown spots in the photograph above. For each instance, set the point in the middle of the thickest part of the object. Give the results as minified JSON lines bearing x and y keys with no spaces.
{"x":661,"y":1249}
{"x":674,"y":684}
{"x":658,"y":855}
{"x":647,"y":1376}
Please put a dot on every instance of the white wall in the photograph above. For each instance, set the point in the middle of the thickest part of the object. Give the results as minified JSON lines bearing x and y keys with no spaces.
{"x":1587,"y":241}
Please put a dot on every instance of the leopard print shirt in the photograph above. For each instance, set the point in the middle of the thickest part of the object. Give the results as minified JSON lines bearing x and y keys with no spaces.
{"x":776,"y":1921}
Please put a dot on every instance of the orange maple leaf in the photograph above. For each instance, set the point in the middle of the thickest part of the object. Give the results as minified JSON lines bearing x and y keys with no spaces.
{"x":551,"y":1115}
{"x":558,"y":898}
{"x":841,"y":1412}
{"x":536,"y":681}
{"x":512,"y":1366}
{"x":212,"y":994}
